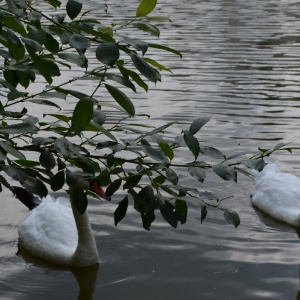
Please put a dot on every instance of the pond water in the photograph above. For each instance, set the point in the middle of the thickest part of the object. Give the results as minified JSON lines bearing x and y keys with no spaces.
{"x":241,"y":66}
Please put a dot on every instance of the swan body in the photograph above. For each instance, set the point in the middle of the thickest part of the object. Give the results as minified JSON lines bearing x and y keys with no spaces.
{"x":277,"y":194}
{"x":56,"y":232}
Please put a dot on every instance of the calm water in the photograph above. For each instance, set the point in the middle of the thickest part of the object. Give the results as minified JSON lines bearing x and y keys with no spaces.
{"x":241,"y":65}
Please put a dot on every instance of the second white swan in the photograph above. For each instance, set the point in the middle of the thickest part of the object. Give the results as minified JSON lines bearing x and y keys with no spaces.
{"x":277,"y":194}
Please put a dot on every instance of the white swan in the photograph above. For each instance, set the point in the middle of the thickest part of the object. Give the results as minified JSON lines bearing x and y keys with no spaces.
{"x":277,"y":193}
{"x":56,"y":232}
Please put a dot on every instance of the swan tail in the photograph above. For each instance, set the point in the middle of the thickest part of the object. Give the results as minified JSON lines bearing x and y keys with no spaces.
{"x":26,"y":197}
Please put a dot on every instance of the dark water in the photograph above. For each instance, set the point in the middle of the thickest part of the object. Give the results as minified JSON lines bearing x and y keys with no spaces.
{"x":241,"y":66}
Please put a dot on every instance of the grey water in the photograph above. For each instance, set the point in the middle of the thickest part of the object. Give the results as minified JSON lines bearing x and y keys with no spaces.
{"x":240,"y":65}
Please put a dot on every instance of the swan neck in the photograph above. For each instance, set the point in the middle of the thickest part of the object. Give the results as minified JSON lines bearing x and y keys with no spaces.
{"x":86,"y":252}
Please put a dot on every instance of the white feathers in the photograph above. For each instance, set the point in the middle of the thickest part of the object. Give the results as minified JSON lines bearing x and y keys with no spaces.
{"x":277,"y":194}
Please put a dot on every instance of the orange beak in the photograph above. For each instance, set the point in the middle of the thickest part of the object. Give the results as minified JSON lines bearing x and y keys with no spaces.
{"x":97,"y":188}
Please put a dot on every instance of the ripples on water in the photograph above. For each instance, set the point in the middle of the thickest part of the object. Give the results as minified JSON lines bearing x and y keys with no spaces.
{"x":240,"y":65}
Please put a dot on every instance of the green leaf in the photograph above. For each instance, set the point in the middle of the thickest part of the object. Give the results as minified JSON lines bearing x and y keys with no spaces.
{"x":44,"y":102}
{"x":79,"y":42}
{"x":15,"y":173}
{"x":212,"y":152}
{"x":168,"y":212}
{"x":47,"y":160}
{"x":99,"y":117}
{"x":145,"y":202}
{"x":153,"y":30}
{"x":113,"y":187}
{"x":27,"y":163}
{"x":54,"y":3}
{"x":63,"y":118}
{"x":181,"y":210}
{"x":167,"y":150}
{"x":156,"y":46}
{"x":132,"y":181}
{"x":79,"y":199}
{"x":121,"y":80}
{"x":82,"y":114}
{"x":134,"y":76}
{"x":192,"y":143}
{"x":121,"y":99}
{"x":79,"y":60}
{"x":73,"y":8}
{"x":231,"y":217}
{"x":58,"y":181}
{"x":32,"y":43}
{"x":197,"y":173}
{"x":64,"y":147}
{"x":104,"y":131}
{"x":35,"y":186}
{"x":172,"y":176}
{"x":153,"y":153}
{"x":18,"y":128}
{"x":108,"y":53}
{"x":203,"y":213}
{"x":136,"y":43}
{"x":121,"y":210}
{"x":160,"y":19}
{"x":157,"y":65}
{"x":51,"y":43}
{"x":12,"y":150}
{"x":71,"y":177}
{"x":14,"y":24}
{"x":257,"y":164}
{"x":225,"y":172}
{"x":144,"y":68}
{"x":145,"y":8}
{"x":198,"y":124}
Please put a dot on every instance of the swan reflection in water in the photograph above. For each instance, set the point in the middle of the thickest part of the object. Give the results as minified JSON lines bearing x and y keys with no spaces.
{"x":86,"y":277}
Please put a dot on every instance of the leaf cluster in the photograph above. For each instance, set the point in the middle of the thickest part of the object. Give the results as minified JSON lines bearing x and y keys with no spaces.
{"x":85,"y":141}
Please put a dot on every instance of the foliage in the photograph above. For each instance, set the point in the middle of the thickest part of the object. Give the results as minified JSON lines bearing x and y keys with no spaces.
{"x":57,"y":148}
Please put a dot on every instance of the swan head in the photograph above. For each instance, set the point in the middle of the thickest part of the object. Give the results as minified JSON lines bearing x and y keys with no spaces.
{"x":95,"y":186}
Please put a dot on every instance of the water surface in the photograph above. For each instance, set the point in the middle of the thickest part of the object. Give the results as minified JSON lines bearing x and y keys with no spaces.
{"x":241,"y":66}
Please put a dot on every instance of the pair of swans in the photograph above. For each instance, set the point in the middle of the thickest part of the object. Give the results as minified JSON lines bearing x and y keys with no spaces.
{"x":55,"y":231}
{"x":277,"y":193}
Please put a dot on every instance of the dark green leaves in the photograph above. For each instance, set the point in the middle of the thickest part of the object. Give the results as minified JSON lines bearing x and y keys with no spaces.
{"x":121,"y":99}
{"x":144,"y":68}
{"x":58,"y":181}
{"x":153,"y":30}
{"x":47,"y":160}
{"x":108,"y":53}
{"x":79,"y":42}
{"x":82,"y":114}
{"x":64,"y":147}
{"x":79,"y":199}
{"x":113,"y":187}
{"x":225,"y":172}
{"x":232,"y":217}
{"x":198,"y":173}
{"x":73,"y":8}
{"x":153,"y":153}
{"x":145,"y":8}
{"x":121,"y":210}
{"x":198,"y":124}
{"x":192,"y":143}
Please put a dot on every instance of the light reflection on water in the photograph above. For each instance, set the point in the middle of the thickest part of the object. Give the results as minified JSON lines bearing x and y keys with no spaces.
{"x":240,"y":65}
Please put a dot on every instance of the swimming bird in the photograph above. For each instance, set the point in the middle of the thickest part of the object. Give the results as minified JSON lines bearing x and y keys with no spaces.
{"x":277,"y":193}
{"x":55,"y":231}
